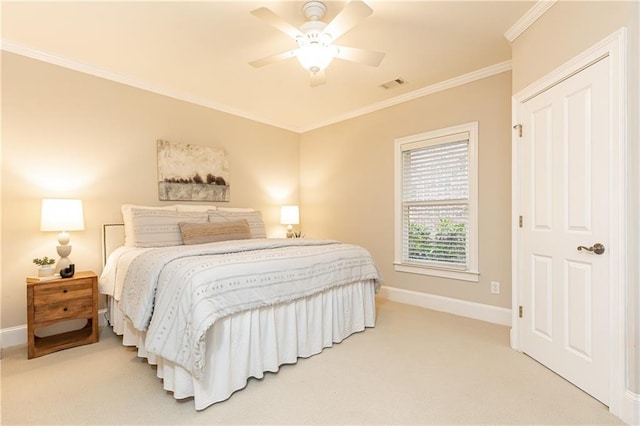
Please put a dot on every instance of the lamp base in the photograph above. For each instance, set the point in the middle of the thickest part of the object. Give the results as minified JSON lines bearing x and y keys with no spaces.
{"x":63,"y":263}
{"x":63,"y":251}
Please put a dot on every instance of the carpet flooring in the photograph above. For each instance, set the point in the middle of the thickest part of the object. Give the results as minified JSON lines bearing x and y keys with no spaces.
{"x":416,"y":366}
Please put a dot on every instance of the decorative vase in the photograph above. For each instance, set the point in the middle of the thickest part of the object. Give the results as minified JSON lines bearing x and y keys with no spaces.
{"x":46,"y":270}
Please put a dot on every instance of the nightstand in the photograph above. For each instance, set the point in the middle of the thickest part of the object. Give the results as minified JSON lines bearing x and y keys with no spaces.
{"x":62,"y":299}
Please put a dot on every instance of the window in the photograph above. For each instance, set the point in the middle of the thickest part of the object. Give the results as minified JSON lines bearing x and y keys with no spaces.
{"x":436,"y":203}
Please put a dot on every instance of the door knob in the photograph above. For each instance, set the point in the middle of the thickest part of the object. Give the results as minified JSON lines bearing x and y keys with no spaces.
{"x":597,"y":248}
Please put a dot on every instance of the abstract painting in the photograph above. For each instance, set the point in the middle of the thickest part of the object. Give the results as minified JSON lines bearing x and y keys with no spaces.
{"x":192,"y":172}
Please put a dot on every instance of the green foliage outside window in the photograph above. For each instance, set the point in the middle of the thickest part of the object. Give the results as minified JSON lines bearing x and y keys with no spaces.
{"x":448,"y":243}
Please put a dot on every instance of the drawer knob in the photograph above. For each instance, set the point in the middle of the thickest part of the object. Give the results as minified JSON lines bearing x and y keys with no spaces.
{"x":65,"y":309}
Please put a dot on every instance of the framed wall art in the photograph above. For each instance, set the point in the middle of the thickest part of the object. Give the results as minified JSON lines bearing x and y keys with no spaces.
{"x":192,"y":172}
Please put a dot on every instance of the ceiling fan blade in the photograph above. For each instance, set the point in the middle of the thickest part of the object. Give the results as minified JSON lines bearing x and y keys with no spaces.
{"x":318,"y":78}
{"x":273,"y":58}
{"x":354,"y":12}
{"x":367,"y":57}
{"x":275,"y":21}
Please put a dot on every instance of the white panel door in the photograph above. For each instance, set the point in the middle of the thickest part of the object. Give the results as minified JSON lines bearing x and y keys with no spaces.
{"x":564,"y":201}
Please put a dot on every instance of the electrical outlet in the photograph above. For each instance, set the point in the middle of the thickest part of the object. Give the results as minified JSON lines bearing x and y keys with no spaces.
{"x":495,"y":287}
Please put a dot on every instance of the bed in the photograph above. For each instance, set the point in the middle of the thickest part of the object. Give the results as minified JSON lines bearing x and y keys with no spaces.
{"x":205,"y":296}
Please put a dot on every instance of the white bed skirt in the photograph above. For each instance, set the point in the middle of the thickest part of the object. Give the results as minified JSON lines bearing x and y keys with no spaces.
{"x":249,"y":343}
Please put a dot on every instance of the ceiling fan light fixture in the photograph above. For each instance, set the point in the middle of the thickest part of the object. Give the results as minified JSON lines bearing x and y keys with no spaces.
{"x":315,"y":57}
{"x":315,"y":38}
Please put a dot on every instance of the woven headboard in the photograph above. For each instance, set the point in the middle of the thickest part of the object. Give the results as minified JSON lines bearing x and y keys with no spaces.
{"x":112,"y":238}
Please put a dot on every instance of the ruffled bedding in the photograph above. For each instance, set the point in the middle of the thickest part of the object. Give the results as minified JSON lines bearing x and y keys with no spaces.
{"x":271,"y":300}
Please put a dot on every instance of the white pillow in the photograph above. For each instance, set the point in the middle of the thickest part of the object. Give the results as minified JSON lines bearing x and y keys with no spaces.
{"x":235,"y":209}
{"x":254,"y":218}
{"x":160,"y":228}
{"x":128,"y":221}
{"x":194,"y":207}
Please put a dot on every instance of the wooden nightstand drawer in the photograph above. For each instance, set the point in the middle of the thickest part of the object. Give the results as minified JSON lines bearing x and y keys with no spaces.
{"x":58,"y":292}
{"x":75,"y":308}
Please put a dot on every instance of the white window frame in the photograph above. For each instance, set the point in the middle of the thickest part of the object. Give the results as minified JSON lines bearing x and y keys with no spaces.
{"x":431,"y":138}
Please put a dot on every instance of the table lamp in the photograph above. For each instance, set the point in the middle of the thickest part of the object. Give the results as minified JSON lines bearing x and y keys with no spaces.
{"x":289,"y":215}
{"x":62,"y":215}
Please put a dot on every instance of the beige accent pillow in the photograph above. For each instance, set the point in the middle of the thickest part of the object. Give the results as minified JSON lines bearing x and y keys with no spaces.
{"x":201,"y":233}
{"x":254,"y":219}
{"x":160,"y":228}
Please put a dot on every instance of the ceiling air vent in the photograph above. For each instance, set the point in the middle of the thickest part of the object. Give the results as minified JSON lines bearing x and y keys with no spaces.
{"x":393,"y":83}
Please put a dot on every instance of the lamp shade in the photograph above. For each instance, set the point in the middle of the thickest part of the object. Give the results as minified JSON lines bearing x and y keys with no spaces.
{"x":289,"y":215}
{"x":61,"y":215}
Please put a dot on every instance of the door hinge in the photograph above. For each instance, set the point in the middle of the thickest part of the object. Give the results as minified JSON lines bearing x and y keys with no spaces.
{"x":518,"y":127}
{"x":520,"y":221}
{"x":520,"y":311}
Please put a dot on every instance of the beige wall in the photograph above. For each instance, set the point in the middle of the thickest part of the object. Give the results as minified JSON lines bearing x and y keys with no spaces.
{"x":564,"y":31}
{"x":347,"y":186}
{"x":68,"y":134}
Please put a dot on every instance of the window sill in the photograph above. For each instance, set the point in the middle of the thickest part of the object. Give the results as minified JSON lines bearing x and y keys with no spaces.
{"x":438,"y":272}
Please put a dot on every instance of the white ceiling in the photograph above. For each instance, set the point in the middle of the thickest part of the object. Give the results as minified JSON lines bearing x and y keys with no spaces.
{"x":199,"y":51}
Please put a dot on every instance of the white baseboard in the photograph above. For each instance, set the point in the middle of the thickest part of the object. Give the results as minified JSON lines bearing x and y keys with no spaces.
{"x":14,"y":336}
{"x":479,"y":311}
{"x":102,"y":317}
{"x":630,"y":409}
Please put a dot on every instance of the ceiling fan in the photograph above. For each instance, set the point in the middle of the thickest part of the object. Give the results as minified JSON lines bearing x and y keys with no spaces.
{"x":315,"y":38}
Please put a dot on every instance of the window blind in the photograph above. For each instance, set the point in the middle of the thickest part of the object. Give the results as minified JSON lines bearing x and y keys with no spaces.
{"x":435,"y":202}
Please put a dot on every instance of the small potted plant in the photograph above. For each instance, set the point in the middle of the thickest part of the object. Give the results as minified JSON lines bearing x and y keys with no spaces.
{"x":45,"y":266}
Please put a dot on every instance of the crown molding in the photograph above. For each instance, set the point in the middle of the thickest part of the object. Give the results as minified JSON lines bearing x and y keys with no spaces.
{"x":429,"y":90}
{"x":19,"y":49}
{"x":528,"y":19}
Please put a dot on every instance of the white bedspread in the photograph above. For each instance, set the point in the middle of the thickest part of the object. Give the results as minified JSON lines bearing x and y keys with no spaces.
{"x":177,"y":293}
{"x":113,"y":274}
